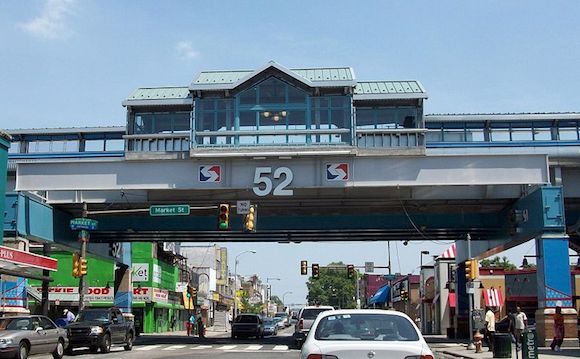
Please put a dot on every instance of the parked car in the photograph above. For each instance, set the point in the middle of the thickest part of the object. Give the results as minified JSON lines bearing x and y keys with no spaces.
{"x":32,"y":334}
{"x":270,"y":326}
{"x":284,"y":317}
{"x":247,"y":325}
{"x":360,"y":333}
{"x":99,"y":329}
{"x":305,"y":318}
{"x":279,"y":322}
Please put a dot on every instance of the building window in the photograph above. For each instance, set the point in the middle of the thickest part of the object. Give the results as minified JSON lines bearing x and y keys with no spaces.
{"x":167,"y":122}
{"x":386,"y":117}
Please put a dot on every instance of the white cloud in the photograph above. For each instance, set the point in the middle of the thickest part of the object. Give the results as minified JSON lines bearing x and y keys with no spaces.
{"x":51,"y":23}
{"x":185,"y":50}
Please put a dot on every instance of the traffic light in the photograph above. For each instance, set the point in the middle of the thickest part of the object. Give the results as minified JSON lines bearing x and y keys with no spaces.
{"x":76,"y":265}
{"x":191,"y":292}
{"x":471,"y":269}
{"x":224,"y":217}
{"x":350,"y":270}
{"x":303,"y":267}
{"x":250,"y":219}
{"x":315,"y":270}
{"x":83,"y":266}
{"x":404,"y":295}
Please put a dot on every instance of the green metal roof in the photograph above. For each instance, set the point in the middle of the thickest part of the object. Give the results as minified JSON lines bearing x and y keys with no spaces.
{"x":159,"y":96}
{"x":388,"y":89}
{"x":323,"y":77}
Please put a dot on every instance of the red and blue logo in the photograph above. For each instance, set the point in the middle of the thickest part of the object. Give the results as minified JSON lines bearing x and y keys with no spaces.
{"x":210,"y":174}
{"x":337,"y":172}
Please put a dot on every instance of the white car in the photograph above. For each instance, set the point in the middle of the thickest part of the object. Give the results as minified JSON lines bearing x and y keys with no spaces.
{"x":364,"y":333}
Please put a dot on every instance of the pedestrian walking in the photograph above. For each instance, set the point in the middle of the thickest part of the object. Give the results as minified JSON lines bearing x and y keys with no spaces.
{"x":173,"y":322}
{"x":520,"y":326}
{"x":489,"y":328}
{"x":200,"y":327}
{"x":190,"y":325}
{"x":558,"y":330}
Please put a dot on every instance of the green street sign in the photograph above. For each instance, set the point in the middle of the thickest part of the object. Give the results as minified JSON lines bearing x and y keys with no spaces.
{"x":83,"y":224}
{"x":170,"y":210}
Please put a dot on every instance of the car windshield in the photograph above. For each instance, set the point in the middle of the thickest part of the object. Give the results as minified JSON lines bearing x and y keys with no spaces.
{"x":94,"y":315}
{"x":281,"y":315}
{"x":312,"y":313}
{"x":268,"y":321}
{"x":246,"y":319}
{"x":376,"y":327}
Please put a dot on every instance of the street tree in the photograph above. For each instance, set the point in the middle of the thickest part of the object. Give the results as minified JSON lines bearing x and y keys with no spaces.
{"x":333,"y":287}
{"x":496,"y":261}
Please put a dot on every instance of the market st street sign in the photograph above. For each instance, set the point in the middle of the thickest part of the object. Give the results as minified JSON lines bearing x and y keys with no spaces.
{"x":83,"y":224}
{"x":170,"y":210}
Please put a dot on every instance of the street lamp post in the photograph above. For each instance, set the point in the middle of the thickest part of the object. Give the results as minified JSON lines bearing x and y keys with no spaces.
{"x":236,"y":280}
{"x":283,"y":298}
{"x":269,"y":294}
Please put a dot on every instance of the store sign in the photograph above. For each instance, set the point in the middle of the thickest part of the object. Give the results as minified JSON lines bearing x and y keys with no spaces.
{"x":140,"y":272}
{"x":156,"y":273}
{"x":71,"y":294}
{"x":180,"y":287}
{"x":148,"y":294}
{"x":28,"y":259}
{"x":160,"y":295}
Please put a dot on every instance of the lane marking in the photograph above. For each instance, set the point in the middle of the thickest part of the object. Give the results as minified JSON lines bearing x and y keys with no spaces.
{"x":280,"y":347}
{"x":148,"y":347}
{"x":254,"y":347}
{"x":174,"y":347}
{"x":227,"y":347}
{"x":202,"y":347}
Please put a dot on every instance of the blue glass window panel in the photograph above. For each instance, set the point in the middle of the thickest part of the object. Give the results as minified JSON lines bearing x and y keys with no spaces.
{"x":272,"y":91}
{"x":500,"y":132}
{"x":94,"y":145}
{"x":248,"y":121}
{"x":475,"y":131}
{"x":522,"y":131}
{"x":114,"y":145}
{"x":568,"y":131}
{"x":14,"y":147}
{"x":542,"y":131}
{"x":454,"y":132}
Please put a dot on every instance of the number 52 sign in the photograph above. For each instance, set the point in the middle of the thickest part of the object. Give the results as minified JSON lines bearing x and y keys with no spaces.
{"x":264,"y":184}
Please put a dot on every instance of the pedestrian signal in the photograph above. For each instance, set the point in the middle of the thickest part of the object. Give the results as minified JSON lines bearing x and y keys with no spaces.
{"x":303,"y":267}
{"x":76,"y":265}
{"x":250,"y":219}
{"x":315,"y":270}
{"x":224,"y":217}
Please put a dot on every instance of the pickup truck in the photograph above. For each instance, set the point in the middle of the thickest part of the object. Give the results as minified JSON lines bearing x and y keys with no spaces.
{"x":305,"y":320}
{"x":99,"y":329}
{"x":248,"y":325}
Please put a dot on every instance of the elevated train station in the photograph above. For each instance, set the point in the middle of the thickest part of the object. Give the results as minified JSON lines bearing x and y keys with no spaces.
{"x":325,"y":157}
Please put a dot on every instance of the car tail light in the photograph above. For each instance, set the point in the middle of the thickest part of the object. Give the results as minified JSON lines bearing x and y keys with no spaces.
{"x":321,"y":356}
{"x":301,"y":324}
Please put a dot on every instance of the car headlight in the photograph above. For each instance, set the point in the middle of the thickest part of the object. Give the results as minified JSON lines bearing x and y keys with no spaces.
{"x":5,"y":341}
{"x":96,"y":330}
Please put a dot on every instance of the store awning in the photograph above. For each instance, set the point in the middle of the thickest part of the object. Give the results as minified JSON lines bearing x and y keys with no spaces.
{"x":381,"y":295}
{"x":452,"y":300}
{"x":493,"y":297}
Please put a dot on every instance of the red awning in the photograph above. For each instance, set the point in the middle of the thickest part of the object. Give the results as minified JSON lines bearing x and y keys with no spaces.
{"x":452,"y":301}
{"x":493,"y":297}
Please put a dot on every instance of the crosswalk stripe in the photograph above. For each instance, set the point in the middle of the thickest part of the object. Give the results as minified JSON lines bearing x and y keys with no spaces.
{"x":254,"y":347}
{"x":280,"y":347}
{"x":227,"y":347}
{"x":173,"y":347}
{"x":148,"y":347}
{"x":202,"y":347}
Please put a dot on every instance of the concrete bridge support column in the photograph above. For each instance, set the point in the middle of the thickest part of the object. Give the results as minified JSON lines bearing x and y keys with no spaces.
{"x":554,"y":289}
{"x":124,"y":281}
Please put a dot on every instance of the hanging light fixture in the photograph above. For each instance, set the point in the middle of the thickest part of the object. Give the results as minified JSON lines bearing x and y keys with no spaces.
{"x":276,"y":116}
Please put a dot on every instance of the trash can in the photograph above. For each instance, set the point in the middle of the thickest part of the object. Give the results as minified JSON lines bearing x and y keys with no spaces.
{"x":502,"y":345}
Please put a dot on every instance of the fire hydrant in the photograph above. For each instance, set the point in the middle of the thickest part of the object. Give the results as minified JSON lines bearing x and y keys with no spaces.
{"x":477,"y":341}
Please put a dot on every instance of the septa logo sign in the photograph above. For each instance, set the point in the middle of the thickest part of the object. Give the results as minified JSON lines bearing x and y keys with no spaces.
{"x":210,"y":173}
{"x":337,"y":172}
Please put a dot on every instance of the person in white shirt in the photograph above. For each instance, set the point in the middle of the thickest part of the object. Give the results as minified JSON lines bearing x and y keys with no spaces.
{"x":489,"y":328}
{"x":69,"y":316}
{"x":520,"y":326}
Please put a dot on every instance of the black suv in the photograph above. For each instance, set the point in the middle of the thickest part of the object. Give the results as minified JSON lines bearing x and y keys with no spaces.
{"x":248,"y":325}
{"x":99,"y":329}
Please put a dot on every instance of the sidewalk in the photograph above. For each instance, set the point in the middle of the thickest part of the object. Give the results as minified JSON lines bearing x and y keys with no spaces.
{"x":543,"y":352}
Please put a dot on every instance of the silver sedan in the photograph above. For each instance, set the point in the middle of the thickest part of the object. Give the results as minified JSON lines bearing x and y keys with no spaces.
{"x":33,"y":334}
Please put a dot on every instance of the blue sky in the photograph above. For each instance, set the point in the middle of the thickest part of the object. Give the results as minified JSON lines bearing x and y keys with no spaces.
{"x":66,"y":63}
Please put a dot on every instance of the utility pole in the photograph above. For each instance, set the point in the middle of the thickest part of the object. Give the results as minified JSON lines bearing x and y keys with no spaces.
{"x":83,"y":238}
{"x":470,"y":346}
